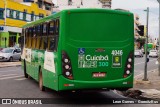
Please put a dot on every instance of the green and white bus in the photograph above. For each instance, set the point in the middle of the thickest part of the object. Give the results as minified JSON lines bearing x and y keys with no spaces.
{"x":79,"y":49}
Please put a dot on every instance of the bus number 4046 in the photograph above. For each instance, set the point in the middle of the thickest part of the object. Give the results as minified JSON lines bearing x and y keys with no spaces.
{"x":117,"y":52}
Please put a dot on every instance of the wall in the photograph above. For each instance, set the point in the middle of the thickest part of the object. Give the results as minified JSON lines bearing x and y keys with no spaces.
{"x":2,"y":36}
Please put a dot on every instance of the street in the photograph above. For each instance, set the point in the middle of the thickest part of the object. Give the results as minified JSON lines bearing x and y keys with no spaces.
{"x":14,"y":85}
{"x":139,"y":65}
{"x":79,"y":44}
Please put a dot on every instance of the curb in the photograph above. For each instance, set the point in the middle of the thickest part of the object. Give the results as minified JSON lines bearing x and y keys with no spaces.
{"x":16,"y":65}
{"x":142,"y":82}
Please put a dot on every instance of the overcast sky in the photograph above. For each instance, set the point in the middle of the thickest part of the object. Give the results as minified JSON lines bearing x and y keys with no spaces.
{"x":137,"y":6}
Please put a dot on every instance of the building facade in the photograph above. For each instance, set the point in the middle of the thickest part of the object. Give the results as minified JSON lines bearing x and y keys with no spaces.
{"x":68,"y":4}
{"x":13,"y":16}
{"x":43,"y":4}
{"x":136,"y":24}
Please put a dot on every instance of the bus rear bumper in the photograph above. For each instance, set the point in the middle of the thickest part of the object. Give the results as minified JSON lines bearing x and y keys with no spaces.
{"x":66,"y":84}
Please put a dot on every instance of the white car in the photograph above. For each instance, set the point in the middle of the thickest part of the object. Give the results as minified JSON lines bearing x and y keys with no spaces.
{"x":10,"y":54}
{"x":153,"y":53}
{"x":138,"y":53}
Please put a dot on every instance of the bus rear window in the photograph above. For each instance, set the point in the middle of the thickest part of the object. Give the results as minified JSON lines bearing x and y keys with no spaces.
{"x":100,"y":27}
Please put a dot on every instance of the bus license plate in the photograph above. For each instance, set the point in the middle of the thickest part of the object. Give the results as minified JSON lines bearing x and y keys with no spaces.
{"x":98,"y":74}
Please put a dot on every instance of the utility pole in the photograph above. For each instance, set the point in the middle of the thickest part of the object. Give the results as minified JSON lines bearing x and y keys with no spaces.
{"x":146,"y":49}
{"x":159,"y":39}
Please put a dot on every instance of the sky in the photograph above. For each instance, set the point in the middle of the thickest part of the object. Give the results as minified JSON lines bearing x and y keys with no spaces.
{"x":138,"y":7}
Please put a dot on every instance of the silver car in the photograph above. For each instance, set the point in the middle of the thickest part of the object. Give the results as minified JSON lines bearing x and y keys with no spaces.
{"x":153,"y":53}
{"x":138,"y":53}
{"x":10,"y":54}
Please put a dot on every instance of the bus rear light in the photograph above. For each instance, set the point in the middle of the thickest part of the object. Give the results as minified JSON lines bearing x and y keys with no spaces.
{"x":129,"y":59}
{"x":67,"y":73}
{"x":66,"y":85}
{"x":128,"y":66}
{"x":66,"y":66}
{"x":66,"y":60}
{"x":70,"y":77}
{"x":125,"y":76}
{"x":127,"y":72}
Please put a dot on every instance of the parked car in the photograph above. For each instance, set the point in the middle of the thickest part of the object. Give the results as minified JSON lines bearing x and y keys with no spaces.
{"x":10,"y":54}
{"x":153,"y":53}
{"x":138,"y":53}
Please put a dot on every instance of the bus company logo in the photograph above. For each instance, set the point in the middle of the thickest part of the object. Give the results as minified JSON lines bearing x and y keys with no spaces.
{"x":81,"y":57}
{"x":97,"y":58}
{"x":81,"y":50}
{"x":117,"y":61}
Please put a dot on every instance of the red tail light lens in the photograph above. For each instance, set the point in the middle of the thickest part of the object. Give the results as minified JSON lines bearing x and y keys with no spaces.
{"x":129,"y":65}
{"x":66,"y":66}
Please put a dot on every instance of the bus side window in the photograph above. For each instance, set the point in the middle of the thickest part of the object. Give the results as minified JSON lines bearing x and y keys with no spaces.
{"x":44,"y":37}
{"x":57,"y":33}
{"x":37,"y":37}
{"x":51,"y":32}
{"x":54,"y":35}
{"x":21,"y":39}
{"x":33,"y":38}
{"x":26,"y":38}
{"x":30,"y":37}
{"x":51,"y":43}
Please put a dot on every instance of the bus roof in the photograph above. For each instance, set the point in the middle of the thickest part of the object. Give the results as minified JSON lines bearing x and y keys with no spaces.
{"x":48,"y":18}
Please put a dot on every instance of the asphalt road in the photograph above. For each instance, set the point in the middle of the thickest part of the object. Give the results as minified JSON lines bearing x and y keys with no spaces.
{"x":14,"y":85}
{"x":139,"y":65}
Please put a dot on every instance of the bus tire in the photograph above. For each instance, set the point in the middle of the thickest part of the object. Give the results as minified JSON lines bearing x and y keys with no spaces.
{"x":25,"y":72}
{"x":41,"y":87}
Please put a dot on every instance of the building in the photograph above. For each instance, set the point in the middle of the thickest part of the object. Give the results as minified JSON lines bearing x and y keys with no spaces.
{"x":13,"y":16}
{"x":43,"y":4}
{"x":136,"y":24}
{"x":106,"y":3}
{"x":67,"y":4}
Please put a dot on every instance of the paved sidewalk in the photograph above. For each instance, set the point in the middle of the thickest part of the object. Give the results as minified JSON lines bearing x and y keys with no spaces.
{"x":150,"y":88}
{"x":9,"y":64}
{"x":145,"y":89}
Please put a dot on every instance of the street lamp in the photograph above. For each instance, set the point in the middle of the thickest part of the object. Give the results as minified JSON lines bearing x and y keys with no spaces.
{"x":146,"y":49}
{"x":159,"y":38}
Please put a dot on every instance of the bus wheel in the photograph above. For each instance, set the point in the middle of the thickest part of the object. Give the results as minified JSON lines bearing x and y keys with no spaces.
{"x":41,"y":87}
{"x":25,"y":74}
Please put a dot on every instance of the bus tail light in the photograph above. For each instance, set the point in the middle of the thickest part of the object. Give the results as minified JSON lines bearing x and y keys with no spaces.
{"x":129,"y":65}
{"x":66,"y":66}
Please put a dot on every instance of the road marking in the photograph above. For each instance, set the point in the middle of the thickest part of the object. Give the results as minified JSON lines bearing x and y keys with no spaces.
{"x":20,"y":79}
{"x":11,"y":77}
{"x":9,"y":70}
{"x":7,"y":75}
{"x":143,"y":73}
{"x":144,"y":62}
